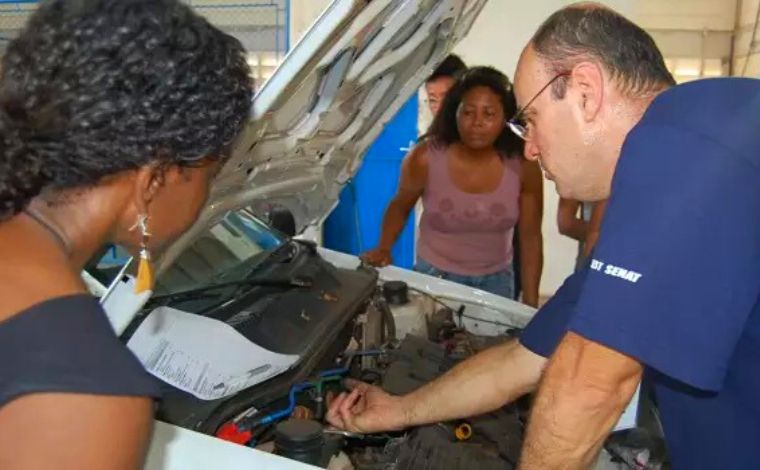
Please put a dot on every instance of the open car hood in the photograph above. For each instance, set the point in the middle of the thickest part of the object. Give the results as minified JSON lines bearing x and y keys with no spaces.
{"x":313,"y":121}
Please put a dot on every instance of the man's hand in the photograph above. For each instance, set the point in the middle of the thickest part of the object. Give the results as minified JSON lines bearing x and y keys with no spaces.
{"x":378,"y":257}
{"x":366,"y":409}
{"x":494,"y":377}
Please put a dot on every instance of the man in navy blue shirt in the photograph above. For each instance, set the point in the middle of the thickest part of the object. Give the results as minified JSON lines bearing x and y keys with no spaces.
{"x":683,"y":218}
{"x":672,"y":292}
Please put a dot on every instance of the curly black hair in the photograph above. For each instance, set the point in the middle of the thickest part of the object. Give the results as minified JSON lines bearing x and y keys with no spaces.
{"x":444,"y":130}
{"x":91,"y":88}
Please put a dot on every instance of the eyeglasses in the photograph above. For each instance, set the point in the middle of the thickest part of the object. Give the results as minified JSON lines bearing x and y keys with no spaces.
{"x":520,"y":129}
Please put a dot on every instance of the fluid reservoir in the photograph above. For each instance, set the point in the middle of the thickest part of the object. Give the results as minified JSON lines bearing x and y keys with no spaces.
{"x":300,"y":439}
{"x":408,"y":311}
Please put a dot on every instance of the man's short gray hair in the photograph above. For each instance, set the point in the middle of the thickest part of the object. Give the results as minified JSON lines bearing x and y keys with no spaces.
{"x":588,"y":31}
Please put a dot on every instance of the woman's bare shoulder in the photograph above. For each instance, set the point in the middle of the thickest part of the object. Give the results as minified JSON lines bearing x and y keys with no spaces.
{"x":419,"y":154}
{"x":416,"y":162}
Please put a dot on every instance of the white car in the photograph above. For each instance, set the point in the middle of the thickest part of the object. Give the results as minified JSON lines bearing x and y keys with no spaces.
{"x":248,"y":328}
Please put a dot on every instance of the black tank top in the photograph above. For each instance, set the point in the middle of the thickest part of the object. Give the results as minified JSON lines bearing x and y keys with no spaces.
{"x":67,"y":345}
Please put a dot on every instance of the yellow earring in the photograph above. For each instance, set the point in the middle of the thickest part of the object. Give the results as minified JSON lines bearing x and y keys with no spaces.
{"x":145,"y":276}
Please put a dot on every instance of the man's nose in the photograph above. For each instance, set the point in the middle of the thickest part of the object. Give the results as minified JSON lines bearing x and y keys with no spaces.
{"x":531,"y":151}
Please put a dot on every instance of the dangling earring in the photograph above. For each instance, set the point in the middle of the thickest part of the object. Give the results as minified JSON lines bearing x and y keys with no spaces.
{"x":145,"y":278}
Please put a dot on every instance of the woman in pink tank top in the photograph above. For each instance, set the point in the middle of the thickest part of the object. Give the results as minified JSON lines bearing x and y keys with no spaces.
{"x":475,"y":189}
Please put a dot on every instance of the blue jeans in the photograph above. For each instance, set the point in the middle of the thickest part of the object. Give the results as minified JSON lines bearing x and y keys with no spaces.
{"x":500,"y":283}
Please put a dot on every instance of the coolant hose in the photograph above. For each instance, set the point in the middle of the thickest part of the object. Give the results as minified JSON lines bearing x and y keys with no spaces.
{"x":389,"y":321}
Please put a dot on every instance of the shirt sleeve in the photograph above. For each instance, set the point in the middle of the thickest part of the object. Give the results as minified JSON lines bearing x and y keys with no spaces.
{"x":549,"y":325}
{"x":67,"y":345}
{"x":675,"y":272}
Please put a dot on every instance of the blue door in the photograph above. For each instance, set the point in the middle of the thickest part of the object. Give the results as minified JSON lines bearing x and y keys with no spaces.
{"x":354,"y":225}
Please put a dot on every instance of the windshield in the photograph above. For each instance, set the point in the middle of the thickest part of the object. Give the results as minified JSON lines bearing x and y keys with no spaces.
{"x":228,"y":251}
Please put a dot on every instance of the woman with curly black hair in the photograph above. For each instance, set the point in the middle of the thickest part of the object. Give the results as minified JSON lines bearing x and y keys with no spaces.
{"x":475,"y":187}
{"x":114,"y":117}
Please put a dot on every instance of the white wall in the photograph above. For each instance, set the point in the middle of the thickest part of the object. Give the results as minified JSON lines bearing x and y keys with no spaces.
{"x":746,"y":24}
{"x":496,"y":39}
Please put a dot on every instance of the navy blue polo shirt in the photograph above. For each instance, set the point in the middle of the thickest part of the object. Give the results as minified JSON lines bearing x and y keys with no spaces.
{"x":674,"y":280}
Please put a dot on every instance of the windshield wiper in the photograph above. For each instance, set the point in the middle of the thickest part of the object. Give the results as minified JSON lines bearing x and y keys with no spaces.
{"x":205,"y":291}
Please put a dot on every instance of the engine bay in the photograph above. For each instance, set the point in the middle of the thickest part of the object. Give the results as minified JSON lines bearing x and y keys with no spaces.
{"x":399,"y":357}
{"x":347,"y":322}
{"x":343,"y":324}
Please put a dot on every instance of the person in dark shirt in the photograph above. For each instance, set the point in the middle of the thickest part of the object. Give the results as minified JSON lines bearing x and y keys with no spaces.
{"x":680,"y":165}
{"x":114,"y":117}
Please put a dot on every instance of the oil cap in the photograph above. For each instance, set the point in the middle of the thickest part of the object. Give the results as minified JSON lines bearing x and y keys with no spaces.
{"x":396,"y":292}
{"x":300,"y":439}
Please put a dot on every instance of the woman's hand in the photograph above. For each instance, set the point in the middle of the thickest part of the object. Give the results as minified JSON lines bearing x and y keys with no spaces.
{"x":378,"y":257}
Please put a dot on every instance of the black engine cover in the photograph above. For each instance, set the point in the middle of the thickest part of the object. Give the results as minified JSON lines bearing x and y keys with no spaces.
{"x":313,"y":322}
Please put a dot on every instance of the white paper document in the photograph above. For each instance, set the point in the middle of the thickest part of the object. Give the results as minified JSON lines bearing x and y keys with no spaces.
{"x":203,"y":356}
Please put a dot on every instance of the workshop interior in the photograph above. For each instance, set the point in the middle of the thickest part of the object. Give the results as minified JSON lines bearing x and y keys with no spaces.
{"x":266,"y":306}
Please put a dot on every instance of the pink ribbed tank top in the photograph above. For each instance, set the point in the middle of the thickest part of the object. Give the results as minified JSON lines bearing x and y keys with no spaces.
{"x":467,"y":233}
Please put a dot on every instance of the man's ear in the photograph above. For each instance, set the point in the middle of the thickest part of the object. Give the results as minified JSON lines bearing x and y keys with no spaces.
{"x":588,"y":79}
{"x":147,"y":183}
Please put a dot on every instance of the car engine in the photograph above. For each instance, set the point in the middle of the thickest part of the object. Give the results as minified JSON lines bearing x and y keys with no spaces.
{"x":343,"y":323}
{"x":399,"y":359}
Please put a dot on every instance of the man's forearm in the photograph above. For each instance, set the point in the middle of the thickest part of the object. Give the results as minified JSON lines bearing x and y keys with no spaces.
{"x":583,"y":392}
{"x":480,"y":384}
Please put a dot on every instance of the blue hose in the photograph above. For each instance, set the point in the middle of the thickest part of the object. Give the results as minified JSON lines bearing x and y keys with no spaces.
{"x":332,"y":372}
{"x":300,"y":387}
{"x":277,"y":415}
{"x":285,"y":412}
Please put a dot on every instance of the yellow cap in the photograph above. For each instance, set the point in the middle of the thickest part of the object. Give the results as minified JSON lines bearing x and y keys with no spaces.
{"x":463,"y":432}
